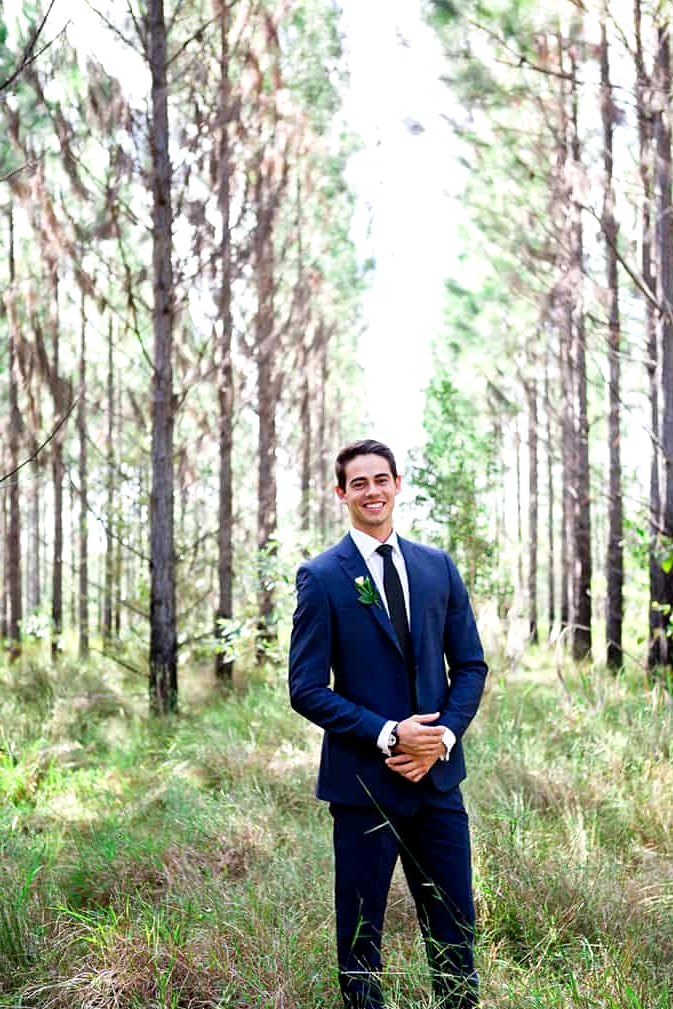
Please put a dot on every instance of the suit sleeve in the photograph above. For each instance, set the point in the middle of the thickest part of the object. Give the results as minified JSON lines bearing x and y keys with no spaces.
{"x":310,"y":664}
{"x":465,"y":656}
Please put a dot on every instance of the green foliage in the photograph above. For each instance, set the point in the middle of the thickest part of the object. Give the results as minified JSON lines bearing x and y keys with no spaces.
{"x":312,"y":53}
{"x":441,"y":12}
{"x":451,"y":474}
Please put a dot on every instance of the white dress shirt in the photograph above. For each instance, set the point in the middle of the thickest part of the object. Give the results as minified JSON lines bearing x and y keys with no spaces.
{"x":368,"y":545}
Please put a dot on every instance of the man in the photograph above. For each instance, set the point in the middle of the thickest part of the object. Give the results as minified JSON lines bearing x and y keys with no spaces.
{"x":382,"y":614}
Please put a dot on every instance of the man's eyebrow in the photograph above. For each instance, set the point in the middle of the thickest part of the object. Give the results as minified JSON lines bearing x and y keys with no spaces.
{"x":377,"y":476}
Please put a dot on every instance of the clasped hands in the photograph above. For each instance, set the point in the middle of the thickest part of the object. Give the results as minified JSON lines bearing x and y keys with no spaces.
{"x":419,"y":746}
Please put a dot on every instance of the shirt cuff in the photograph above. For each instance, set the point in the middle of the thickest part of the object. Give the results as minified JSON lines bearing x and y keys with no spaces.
{"x":382,"y":740}
{"x":449,"y":741}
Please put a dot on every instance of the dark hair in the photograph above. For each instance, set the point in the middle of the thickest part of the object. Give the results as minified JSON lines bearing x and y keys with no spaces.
{"x":366,"y":447}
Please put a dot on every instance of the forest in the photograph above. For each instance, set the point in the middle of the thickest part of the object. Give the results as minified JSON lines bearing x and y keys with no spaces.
{"x":182,"y":306}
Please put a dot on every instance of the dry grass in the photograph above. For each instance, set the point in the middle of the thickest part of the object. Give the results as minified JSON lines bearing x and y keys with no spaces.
{"x":188,"y":865}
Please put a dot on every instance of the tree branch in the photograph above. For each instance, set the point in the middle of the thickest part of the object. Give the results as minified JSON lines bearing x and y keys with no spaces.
{"x":34,"y":455}
{"x":28,"y":55}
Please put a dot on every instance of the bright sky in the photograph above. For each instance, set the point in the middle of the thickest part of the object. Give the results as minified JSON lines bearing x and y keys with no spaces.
{"x":403,"y":178}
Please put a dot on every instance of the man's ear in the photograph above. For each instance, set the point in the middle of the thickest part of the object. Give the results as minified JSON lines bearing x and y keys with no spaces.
{"x":341,"y":494}
{"x":398,"y":484}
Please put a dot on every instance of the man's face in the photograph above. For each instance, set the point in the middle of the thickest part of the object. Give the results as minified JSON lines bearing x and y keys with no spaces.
{"x":370,"y":495}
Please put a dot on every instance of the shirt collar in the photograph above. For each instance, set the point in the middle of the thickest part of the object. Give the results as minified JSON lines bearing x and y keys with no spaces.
{"x":367,"y":545}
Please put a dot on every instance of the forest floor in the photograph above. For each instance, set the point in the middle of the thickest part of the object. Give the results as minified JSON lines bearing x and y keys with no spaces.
{"x":187,"y":864}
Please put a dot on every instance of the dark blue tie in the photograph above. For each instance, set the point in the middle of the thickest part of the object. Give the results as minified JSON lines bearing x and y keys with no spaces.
{"x":392,"y":586}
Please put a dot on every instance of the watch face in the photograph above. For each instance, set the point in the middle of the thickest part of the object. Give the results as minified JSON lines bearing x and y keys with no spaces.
{"x":392,"y":740}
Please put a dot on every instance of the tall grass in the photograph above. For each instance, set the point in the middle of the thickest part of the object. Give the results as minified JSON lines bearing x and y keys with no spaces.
{"x":187,"y":864}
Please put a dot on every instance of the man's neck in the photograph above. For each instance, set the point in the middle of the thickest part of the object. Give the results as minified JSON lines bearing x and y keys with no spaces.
{"x":371,"y":534}
{"x":381,"y":534}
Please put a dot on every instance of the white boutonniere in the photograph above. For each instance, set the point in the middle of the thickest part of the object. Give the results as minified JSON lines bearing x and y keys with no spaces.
{"x":367,"y":592}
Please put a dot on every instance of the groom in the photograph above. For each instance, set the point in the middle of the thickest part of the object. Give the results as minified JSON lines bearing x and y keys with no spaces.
{"x":384,"y":616}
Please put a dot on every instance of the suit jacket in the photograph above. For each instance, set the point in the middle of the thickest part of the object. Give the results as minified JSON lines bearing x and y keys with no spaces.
{"x":334,"y":632}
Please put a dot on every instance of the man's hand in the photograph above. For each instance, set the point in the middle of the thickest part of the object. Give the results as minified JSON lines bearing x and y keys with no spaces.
{"x":419,"y":746}
{"x":417,"y":738}
{"x":411,"y":767}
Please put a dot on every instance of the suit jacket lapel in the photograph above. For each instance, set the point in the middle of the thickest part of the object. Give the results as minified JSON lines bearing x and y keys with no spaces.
{"x":353,"y":564}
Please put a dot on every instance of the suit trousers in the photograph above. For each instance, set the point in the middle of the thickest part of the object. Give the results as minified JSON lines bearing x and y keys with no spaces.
{"x":434,"y":848}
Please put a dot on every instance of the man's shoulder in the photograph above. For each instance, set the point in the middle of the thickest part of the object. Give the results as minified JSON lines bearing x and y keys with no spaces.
{"x":422,"y":549}
{"x":329,"y":557}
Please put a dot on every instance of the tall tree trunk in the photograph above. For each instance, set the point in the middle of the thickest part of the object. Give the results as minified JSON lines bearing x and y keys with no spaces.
{"x":664,"y":272}
{"x":568,"y":444}
{"x":519,"y":516}
{"x":118,"y":566}
{"x":224,"y":666}
{"x":4,"y":565}
{"x":57,"y":475}
{"x":563,"y":309}
{"x":72,"y":538}
{"x":35,"y":545}
{"x":321,"y":434}
{"x":83,"y":496}
{"x":582,"y":570}
{"x":267,"y":392}
{"x":109,"y":506}
{"x":304,"y":340}
{"x":615,"y":550}
{"x":531,"y":395}
{"x":163,"y":675}
{"x":119,"y":524}
{"x":305,"y":446}
{"x":551,"y":560}
{"x":14,"y":538}
{"x":657,"y":643}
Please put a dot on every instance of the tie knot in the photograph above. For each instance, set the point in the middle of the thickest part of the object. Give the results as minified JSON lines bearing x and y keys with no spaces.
{"x":385,"y":550}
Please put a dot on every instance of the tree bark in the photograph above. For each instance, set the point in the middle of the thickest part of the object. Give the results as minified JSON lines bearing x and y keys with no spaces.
{"x":531,"y":395}
{"x":163,"y":677}
{"x":109,"y":487}
{"x":568,"y":445}
{"x":519,"y":515}
{"x":224,"y":666}
{"x":657,"y":645}
{"x":321,"y":433}
{"x":304,"y":341}
{"x":615,"y":550}
{"x":551,"y":560}
{"x":14,"y":538}
{"x":57,"y":474}
{"x":72,"y":537}
{"x":305,"y":446}
{"x":4,"y":566}
{"x":267,"y":382}
{"x":119,"y":526}
{"x":561,"y":201}
{"x":664,"y":273}
{"x":83,"y":495}
{"x":582,"y":502}
{"x":35,"y":545}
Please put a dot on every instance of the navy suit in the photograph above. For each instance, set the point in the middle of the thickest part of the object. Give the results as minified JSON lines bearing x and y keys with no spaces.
{"x":348,"y":675}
